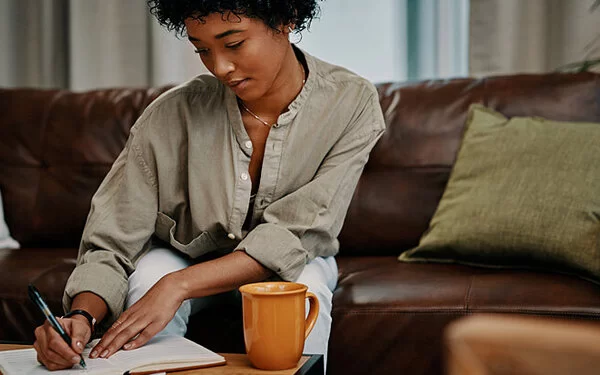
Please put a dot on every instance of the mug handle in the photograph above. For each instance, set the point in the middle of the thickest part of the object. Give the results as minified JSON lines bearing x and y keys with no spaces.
{"x":313,"y":313}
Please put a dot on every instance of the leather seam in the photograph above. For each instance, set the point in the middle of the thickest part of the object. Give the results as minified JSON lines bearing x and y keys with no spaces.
{"x":535,"y":312}
{"x":388,"y":310}
{"x":595,"y":316}
{"x":378,"y":313}
{"x":468,"y":293}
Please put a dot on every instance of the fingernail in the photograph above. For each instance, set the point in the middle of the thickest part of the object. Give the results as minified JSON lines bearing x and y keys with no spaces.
{"x":127,"y":346}
{"x":93,"y":354}
{"x":104,"y":353}
{"x":79,"y":344}
{"x":75,"y":359}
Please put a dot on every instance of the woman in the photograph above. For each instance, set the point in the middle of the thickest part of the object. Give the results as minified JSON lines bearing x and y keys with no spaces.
{"x":254,"y":168}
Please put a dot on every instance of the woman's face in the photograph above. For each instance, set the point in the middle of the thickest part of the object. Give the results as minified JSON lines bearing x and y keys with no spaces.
{"x":243,"y":53}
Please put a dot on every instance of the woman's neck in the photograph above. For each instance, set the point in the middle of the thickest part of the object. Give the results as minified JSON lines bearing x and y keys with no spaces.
{"x":285,"y":89}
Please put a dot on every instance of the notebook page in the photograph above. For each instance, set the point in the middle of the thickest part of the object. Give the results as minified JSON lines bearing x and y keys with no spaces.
{"x":165,"y":350}
{"x":24,"y":362}
{"x":161,"y":350}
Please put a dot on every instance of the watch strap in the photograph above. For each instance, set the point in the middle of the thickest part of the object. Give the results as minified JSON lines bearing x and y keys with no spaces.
{"x":84,"y":313}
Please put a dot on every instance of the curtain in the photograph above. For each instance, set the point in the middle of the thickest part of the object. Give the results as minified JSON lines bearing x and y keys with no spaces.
{"x":437,"y":38}
{"x":34,"y":51}
{"x":532,"y":36}
{"x":393,"y":40}
{"x":89,"y":44}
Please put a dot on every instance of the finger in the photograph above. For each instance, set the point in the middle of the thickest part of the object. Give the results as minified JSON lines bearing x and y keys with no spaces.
{"x":125,"y":336}
{"x":119,"y":322}
{"x":40,"y":337}
{"x":43,"y":345}
{"x":43,"y":358}
{"x":53,"y":342}
{"x":57,"y":358}
{"x":57,"y":350}
{"x":40,"y":355}
{"x":107,"y":338}
{"x":40,"y":359}
{"x":106,"y":343}
{"x":80,"y":333}
{"x":144,"y":336}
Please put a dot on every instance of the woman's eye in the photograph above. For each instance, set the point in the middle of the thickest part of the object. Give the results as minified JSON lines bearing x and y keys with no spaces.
{"x":235,"y":45}
{"x":201,"y":51}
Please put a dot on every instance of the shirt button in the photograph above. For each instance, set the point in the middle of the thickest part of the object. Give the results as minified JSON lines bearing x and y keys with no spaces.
{"x":248,"y":144}
{"x":244,"y":176}
{"x":231,"y":236}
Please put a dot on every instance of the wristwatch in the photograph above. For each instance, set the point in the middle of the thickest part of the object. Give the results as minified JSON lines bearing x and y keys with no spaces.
{"x":84,"y":313}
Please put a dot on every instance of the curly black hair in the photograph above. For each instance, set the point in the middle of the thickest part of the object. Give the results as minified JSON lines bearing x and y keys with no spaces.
{"x":274,"y":13}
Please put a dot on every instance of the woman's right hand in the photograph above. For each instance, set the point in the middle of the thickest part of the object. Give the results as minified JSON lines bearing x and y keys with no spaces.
{"x":53,"y":352}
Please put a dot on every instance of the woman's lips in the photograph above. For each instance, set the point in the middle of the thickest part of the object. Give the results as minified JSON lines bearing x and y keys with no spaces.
{"x":237,"y":84}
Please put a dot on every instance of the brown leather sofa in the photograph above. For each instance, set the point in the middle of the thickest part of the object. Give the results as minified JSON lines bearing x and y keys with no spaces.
{"x":388,"y":317}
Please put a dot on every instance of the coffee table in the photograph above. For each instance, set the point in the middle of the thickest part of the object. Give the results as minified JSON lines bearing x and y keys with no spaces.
{"x":237,"y":364}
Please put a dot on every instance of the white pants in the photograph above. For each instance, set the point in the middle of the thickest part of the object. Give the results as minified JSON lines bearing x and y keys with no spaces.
{"x":320,"y":276}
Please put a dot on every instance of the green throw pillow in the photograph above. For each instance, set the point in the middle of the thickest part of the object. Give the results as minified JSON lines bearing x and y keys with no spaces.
{"x":524,"y":192}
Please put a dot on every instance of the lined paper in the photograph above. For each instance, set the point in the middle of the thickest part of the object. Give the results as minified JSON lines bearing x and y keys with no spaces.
{"x":160,"y":352}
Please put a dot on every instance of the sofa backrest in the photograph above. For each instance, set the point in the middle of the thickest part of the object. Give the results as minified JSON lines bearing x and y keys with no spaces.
{"x":56,"y":147}
{"x":410,"y":166}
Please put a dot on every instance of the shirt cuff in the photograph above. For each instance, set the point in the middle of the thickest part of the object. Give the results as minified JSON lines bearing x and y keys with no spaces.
{"x":277,"y":249}
{"x":103,"y":281}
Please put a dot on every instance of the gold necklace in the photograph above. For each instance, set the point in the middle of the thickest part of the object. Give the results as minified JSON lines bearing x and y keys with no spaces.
{"x":257,"y":116}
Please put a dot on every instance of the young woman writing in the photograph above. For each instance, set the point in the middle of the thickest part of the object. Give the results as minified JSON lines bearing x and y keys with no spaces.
{"x":253,"y":167}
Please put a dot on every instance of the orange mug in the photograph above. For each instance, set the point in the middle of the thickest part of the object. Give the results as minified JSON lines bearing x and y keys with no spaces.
{"x":275,"y":326}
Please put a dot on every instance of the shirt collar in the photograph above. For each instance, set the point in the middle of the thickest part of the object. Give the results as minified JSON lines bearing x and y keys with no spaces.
{"x":284,"y":119}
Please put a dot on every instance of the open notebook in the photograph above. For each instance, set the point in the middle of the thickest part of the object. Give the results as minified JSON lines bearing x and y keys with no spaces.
{"x":161,"y":354}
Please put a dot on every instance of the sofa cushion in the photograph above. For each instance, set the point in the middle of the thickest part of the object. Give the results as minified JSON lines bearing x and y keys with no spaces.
{"x":388,"y":314}
{"x":48,"y":270}
{"x":523,"y":192}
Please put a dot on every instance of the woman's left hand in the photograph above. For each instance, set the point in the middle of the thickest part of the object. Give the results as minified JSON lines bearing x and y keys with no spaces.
{"x":144,"y":319}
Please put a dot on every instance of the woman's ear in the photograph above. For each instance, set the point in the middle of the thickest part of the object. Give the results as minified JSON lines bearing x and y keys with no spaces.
{"x":289,"y":28}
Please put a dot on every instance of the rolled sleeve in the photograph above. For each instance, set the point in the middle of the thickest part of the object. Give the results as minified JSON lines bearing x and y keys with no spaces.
{"x":305,"y":224}
{"x":103,"y":280}
{"x":267,"y":239}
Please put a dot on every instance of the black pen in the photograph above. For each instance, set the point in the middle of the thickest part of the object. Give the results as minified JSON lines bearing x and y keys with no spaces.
{"x":36,"y":297}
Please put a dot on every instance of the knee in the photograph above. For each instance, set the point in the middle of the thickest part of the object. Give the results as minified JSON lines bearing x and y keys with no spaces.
{"x":324,"y":295}
{"x":153,"y":266}
{"x":321,"y":290}
{"x":142,"y":279}
{"x":140,"y":282}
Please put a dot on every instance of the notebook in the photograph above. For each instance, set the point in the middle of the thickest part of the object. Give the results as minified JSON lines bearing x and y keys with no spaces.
{"x":160,"y":354}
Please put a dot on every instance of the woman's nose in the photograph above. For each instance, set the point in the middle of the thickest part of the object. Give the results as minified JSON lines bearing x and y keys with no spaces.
{"x":223,"y":67}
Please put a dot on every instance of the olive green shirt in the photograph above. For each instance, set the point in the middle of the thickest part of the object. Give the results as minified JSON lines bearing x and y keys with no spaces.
{"x":183,"y":178}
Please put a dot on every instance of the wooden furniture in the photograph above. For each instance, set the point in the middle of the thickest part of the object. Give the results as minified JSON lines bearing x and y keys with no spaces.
{"x":501,"y":345}
{"x":237,"y":364}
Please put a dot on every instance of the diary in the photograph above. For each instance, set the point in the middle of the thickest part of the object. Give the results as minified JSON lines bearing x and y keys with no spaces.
{"x":160,"y":354}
